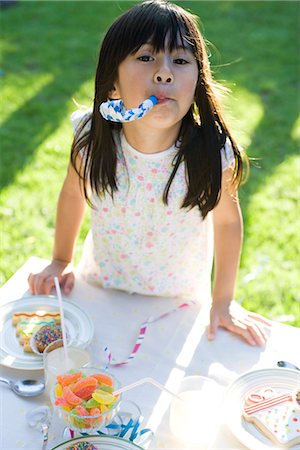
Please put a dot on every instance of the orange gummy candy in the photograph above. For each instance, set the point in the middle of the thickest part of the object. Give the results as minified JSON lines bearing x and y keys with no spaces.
{"x":85,"y":393}
{"x":95,"y":411}
{"x":60,"y":401}
{"x":81,"y":410}
{"x":103,"y":379}
{"x":68,"y":378}
{"x":70,"y":397}
{"x":85,"y":382}
{"x":96,"y":420}
{"x":85,"y":387}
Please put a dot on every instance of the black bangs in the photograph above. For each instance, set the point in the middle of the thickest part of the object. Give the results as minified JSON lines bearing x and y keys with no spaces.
{"x":156,"y":23}
{"x":165,"y":28}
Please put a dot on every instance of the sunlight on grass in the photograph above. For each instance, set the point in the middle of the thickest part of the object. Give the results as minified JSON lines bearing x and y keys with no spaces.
{"x":83,"y":96}
{"x":246,"y":112}
{"x":270,"y":263}
{"x":295,"y":134}
{"x":43,"y":176}
{"x":16,"y":91}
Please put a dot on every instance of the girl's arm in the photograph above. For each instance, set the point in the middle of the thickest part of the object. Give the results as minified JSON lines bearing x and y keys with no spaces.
{"x":70,"y":212}
{"x":228,"y":236}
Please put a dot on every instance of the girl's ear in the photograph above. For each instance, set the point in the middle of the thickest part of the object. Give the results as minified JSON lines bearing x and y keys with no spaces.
{"x":114,"y":93}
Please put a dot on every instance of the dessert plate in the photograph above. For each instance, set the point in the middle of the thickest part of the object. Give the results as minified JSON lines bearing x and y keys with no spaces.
{"x":79,"y":325}
{"x":100,"y":442}
{"x":244,"y":431}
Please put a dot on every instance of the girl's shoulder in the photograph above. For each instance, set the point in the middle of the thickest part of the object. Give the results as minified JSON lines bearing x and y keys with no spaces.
{"x":227,"y":155}
{"x":81,"y":120}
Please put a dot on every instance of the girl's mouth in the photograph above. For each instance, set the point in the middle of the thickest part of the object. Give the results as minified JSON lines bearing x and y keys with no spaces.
{"x":163,"y":100}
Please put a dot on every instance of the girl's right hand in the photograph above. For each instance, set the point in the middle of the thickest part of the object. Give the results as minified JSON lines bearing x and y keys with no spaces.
{"x":42,"y":282}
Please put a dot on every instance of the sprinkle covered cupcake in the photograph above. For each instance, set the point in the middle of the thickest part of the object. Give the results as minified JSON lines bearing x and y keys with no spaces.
{"x":45,"y":335}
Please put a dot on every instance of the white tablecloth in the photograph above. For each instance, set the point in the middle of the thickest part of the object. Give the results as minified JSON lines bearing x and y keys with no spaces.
{"x":174,"y":347}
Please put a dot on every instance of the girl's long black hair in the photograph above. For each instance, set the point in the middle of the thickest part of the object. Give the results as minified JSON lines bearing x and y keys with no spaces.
{"x":203,"y":131}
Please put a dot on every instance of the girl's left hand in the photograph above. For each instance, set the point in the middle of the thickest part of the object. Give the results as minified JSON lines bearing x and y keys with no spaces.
{"x":249,"y":326}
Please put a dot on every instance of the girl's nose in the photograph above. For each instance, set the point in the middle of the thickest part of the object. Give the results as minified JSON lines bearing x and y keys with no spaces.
{"x":163,"y":75}
{"x":162,"y":79}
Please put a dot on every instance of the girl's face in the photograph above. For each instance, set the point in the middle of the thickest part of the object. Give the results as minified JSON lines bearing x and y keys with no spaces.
{"x":169,"y":75}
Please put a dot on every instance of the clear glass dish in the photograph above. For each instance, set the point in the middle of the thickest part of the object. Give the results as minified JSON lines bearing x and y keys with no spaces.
{"x":92,"y":422}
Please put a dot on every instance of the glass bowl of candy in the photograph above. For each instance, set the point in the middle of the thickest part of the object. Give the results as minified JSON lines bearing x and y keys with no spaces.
{"x":84,"y":399}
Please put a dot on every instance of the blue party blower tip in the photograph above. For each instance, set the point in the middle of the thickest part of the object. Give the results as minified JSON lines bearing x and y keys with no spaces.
{"x":153,"y":99}
{"x":115,"y":111}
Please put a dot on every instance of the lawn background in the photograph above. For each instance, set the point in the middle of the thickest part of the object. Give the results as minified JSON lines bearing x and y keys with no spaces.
{"x":49,"y":53}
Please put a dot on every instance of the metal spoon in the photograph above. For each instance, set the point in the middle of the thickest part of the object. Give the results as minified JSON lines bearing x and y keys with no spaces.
{"x":287,"y":364}
{"x":25,"y":388}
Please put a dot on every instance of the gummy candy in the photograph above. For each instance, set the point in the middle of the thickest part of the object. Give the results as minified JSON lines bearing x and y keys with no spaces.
{"x":68,"y":378}
{"x":96,"y":420}
{"x":103,"y":397}
{"x":89,"y":399}
{"x":104,"y":408}
{"x":58,"y":390}
{"x":66,"y":408}
{"x":103,"y":379}
{"x":106,"y":388}
{"x":95,"y":411}
{"x":84,"y":382}
{"x":81,"y":411}
{"x":85,"y":393}
{"x":70,"y":397}
{"x":92,"y":403}
{"x":60,"y":401}
{"x":85,"y":387}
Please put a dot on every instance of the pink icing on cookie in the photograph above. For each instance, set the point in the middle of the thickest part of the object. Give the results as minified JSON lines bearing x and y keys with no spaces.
{"x":277,"y":418}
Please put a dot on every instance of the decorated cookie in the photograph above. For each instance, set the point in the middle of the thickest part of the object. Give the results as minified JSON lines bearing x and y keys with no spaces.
{"x":44,"y":336}
{"x":275,"y":415}
{"x":84,"y":445}
{"x":27,"y":323}
{"x":296,"y":398}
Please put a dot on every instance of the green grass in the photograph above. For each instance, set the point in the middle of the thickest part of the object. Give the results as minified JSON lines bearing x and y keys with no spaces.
{"x":49,"y":53}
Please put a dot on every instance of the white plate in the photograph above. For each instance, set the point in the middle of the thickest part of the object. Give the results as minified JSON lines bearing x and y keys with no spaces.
{"x":79,"y":325}
{"x":106,"y":442}
{"x":246,"y":432}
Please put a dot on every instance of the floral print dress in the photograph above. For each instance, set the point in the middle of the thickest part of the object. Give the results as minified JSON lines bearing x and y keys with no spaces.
{"x":140,"y":245}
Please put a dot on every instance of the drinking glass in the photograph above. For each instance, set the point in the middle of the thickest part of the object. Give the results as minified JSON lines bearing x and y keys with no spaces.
{"x":195,"y":417}
{"x":55,"y":362}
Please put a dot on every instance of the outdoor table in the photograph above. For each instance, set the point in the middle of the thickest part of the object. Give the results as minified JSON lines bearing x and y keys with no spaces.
{"x":173,"y":347}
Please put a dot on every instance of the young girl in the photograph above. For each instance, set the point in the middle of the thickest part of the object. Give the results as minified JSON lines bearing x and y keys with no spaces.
{"x":163,"y":188}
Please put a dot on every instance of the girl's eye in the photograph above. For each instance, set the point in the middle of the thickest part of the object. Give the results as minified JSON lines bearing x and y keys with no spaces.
{"x":180,"y":61}
{"x":145,"y":58}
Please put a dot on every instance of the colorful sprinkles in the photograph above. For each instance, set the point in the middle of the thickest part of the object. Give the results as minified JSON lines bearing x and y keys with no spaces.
{"x":297,"y":397}
{"x":45,"y":335}
{"x":84,"y":445}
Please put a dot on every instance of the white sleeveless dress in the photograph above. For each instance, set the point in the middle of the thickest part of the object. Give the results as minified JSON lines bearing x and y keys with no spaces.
{"x":140,"y":245}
